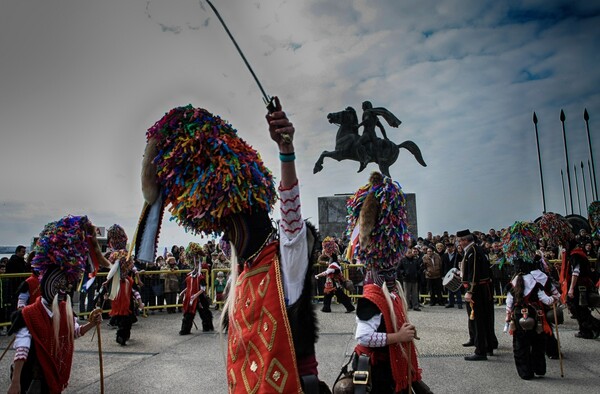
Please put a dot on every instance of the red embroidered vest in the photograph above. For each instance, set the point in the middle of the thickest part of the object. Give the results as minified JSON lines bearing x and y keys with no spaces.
{"x":55,"y":359}
{"x":261,"y":357}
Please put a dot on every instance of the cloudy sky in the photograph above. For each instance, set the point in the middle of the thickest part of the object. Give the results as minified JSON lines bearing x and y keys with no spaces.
{"x":81,"y":82}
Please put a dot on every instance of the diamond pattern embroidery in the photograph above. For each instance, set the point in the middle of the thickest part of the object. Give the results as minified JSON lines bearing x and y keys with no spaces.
{"x":253,"y":368}
{"x":263,"y":285}
{"x":248,"y":306}
{"x":267,"y":328}
{"x":277,"y":375}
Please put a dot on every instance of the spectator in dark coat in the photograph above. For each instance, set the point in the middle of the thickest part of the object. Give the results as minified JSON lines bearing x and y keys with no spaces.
{"x":408,"y":272}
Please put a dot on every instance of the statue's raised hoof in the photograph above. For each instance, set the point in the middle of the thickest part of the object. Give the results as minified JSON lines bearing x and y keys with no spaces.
{"x":362,"y":167}
{"x":317,"y":168}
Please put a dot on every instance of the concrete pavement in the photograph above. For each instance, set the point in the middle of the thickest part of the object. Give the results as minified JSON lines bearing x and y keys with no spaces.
{"x":158,"y":360}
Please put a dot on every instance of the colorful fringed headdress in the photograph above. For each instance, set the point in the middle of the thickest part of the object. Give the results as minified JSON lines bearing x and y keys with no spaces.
{"x":330,"y":247}
{"x":555,"y":229}
{"x":64,"y":245}
{"x":196,"y":164}
{"x":194,"y":252}
{"x":519,"y":241}
{"x":379,"y":208}
{"x":594,"y":217}
{"x":116,"y":237}
{"x":206,"y":171}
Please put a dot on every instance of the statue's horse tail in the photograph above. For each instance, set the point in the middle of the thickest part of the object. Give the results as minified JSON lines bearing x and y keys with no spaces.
{"x":414,"y":149}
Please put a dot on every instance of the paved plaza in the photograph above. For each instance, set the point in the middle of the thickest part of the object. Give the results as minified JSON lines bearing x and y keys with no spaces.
{"x":158,"y":360}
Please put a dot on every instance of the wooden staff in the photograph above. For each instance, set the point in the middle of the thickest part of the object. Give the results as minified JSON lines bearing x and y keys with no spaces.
{"x":410,"y":390}
{"x":562,"y":374}
{"x":100,"y":352}
{"x":8,"y":347}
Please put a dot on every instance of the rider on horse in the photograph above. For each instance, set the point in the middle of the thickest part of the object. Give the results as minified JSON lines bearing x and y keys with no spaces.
{"x":368,"y":139}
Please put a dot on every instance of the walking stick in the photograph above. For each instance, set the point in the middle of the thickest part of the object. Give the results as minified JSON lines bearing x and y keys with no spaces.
{"x":562,"y":375}
{"x":410,"y":390}
{"x":8,"y":347}
{"x":100,"y":356}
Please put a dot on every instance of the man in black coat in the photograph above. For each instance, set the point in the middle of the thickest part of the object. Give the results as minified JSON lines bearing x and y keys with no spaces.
{"x":408,"y":272}
{"x":476,"y":277}
{"x":16,"y":265}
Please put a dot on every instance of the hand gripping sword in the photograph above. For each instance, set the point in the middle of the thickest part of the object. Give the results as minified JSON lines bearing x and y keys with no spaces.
{"x":268,"y":100}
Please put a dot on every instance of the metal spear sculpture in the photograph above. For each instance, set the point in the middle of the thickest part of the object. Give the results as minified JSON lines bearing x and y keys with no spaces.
{"x":584,"y":187}
{"x":537,"y":141}
{"x":562,"y":121}
{"x":577,"y":189}
{"x":594,"y":196}
{"x":562,"y":177}
{"x":268,"y":100}
{"x":586,"y":117}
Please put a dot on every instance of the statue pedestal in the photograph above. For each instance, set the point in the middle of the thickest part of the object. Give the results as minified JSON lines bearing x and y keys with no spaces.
{"x":332,"y":214}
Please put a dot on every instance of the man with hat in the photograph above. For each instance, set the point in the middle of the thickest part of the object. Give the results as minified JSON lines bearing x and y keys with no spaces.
{"x":476,"y":279}
{"x":45,"y":330}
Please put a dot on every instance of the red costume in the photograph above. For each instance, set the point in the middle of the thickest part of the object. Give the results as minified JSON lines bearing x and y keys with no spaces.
{"x":261,"y":355}
{"x":54,"y":358}
{"x":394,"y":356}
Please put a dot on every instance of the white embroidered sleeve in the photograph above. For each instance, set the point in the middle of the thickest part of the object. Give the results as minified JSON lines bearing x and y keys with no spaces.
{"x":22,"y":344}
{"x":293,"y":246}
{"x":366,"y":332}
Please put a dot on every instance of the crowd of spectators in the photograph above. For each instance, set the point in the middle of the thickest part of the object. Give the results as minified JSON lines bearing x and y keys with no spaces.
{"x":429,"y":259}
{"x":421,"y":271}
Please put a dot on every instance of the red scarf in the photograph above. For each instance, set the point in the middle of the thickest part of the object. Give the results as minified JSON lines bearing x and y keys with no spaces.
{"x":34,"y":288}
{"x":192,"y":285}
{"x":121,"y":305}
{"x":398,"y":362}
{"x":54,"y":358}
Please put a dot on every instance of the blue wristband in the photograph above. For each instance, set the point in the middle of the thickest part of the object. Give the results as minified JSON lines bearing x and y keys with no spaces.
{"x":287,"y":157}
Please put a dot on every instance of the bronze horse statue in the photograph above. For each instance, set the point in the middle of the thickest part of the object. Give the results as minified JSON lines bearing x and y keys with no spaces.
{"x":383,"y":152}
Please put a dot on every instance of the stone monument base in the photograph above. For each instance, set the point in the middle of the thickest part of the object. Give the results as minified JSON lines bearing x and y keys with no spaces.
{"x":332,"y":214}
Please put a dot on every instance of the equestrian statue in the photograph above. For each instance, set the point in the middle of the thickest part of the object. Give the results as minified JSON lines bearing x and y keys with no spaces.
{"x":366,"y":148}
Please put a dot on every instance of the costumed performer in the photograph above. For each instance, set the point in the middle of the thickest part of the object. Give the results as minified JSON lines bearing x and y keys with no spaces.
{"x":216,"y":183}
{"x":123,"y":293}
{"x":45,"y":330}
{"x":193,"y":297}
{"x":334,"y":283}
{"x":383,"y":330}
{"x":479,"y":296}
{"x":576,"y":276}
{"x":525,"y":301}
{"x":582,"y":283}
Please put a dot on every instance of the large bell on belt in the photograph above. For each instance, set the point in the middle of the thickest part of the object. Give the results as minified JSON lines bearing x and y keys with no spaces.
{"x":560,"y":316}
{"x":344,"y":386}
{"x":594,"y":300}
{"x":527,"y":323}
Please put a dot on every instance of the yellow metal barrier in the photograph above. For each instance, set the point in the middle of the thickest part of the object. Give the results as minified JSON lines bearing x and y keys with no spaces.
{"x":211,"y":283}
